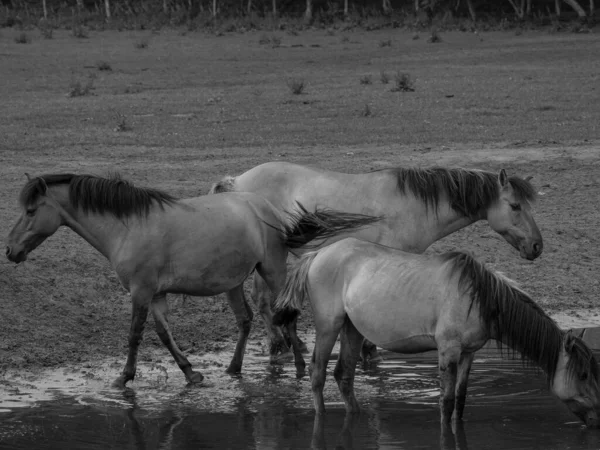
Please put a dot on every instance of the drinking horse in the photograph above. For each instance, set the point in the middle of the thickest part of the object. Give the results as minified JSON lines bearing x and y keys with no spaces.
{"x":411,"y":303}
{"x":418,"y":206}
{"x":158,"y":244}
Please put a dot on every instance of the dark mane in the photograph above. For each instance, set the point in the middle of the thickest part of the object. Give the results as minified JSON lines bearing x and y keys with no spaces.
{"x":468,"y":190}
{"x":100,"y":195}
{"x":516,"y":320}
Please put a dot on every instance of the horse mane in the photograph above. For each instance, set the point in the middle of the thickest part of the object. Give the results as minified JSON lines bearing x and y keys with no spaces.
{"x":100,"y":195}
{"x":516,"y":320}
{"x":468,"y":190}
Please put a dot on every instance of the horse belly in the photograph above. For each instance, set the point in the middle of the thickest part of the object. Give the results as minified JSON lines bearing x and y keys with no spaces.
{"x":393,"y":324}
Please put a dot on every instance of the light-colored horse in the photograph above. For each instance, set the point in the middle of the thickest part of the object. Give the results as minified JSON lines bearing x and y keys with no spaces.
{"x":158,"y":244}
{"x":419,"y":207}
{"x":411,"y":303}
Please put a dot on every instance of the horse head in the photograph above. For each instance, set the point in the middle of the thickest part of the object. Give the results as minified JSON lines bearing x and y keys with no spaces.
{"x":40,"y":218}
{"x":576,"y":380}
{"x":510,"y":216}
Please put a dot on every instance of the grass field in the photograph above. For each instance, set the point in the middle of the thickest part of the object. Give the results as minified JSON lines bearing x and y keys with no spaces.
{"x":177,"y":112}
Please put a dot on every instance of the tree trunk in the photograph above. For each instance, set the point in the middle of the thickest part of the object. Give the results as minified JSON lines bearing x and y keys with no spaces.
{"x":45,"y":9}
{"x":166,"y":7}
{"x":386,"y":6}
{"x":471,"y":10}
{"x":519,"y":9}
{"x":79,"y":5}
{"x":274,"y":8}
{"x":592,"y":8}
{"x":214,"y":9}
{"x":107,"y":9}
{"x":308,"y":12}
{"x":416,"y":6}
{"x":528,"y":12}
{"x":249,"y":8}
{"x":346,"y":8}
{"x":578,"y":9}
{"x":557,"y":7}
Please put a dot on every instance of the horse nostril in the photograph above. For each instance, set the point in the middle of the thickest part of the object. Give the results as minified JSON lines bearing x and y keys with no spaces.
{"x":8,"y":250}
{"x":537,"y":248}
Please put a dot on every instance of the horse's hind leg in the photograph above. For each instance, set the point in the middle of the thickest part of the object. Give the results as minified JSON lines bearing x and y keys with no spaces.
{"x":261,"y":295}
{"x":326,"y":336}
{"x":351,"y":342}
{"x":160,"y":311}
{"x":449,"y":356}
{"x":464,"y":368}
{"x":243,"y":316}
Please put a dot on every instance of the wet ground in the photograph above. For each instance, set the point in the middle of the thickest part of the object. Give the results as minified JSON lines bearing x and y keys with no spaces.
{"x":508,"y":407}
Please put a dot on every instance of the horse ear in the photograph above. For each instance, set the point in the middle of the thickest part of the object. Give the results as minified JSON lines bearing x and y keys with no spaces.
{"x":28,"y":177}
{"x":580,"y":336}
{"x":42,"y":184}
{"x":502,"y":177}
{"x":529,"y":178}
{"x":569,"y":341}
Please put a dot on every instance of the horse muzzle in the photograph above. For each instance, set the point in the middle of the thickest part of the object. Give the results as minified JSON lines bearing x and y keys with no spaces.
{"x":531,"y":250}
{"x":14,"y":256}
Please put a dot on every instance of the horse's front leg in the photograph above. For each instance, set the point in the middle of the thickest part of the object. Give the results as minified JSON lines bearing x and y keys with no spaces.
{"x":159,"y":311}
{"x":448,"y":362}
{"x":140,"y":299}
{"x":464,"y":368}
{"x":243,"y":316}
{"x":350,"y":345}
{"x":261,"y":296}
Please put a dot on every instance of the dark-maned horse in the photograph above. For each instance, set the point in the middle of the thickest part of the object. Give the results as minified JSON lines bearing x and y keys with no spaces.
{"x":410,"y":303}
{"x":419,"y":206}
{"x":159,"y":244}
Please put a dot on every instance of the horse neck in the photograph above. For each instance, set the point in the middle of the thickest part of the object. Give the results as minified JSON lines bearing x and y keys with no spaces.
{"x":433,"y":224}
{"x":104,"y":232}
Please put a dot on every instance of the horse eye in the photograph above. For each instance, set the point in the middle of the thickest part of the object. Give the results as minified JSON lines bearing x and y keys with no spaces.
{"x":515,"y":206}
{"x":30,"y":212}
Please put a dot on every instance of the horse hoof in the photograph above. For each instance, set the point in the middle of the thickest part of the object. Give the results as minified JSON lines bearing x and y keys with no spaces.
{"x":282,"y":358}
{"x":234,"y":369}
{"x":375,"y":359}
{"x":196,"y":378}
{"x":119,"y":383}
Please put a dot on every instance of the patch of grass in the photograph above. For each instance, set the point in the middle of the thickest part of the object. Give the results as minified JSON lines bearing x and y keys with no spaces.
{"x":385,"y":43}
{"x":330,"y":32}
{"x":142,"y":43}
{"x":366,"y":111}
{"x":345,"y":39}
{"x":22,"y":38}
{"x":274,"y":41}
{"x":78,"y":31}
{"x":415,"y":36}
{"x":47,"y":32}
{"x":366,"y":79}
{"x":434,"y":37}
{"x":296,"y":85}
{"x":79,"y":89}
{"x":132,"y":89}
{"x":122,"y":124}
{"x":384,"y":78}
{"x":403,"y":83}
{"x":103,"y":66}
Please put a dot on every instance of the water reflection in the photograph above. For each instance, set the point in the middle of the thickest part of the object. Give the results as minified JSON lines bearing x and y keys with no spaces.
{"x":508,"y":407}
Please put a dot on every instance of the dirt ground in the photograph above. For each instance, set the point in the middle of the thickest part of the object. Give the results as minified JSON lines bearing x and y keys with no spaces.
{"x":194,"y":108}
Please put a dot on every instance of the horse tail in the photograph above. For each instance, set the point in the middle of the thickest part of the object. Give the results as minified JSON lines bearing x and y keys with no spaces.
{"x":226,"y":184}
{"x":289,"y":301}
{"x":305,"y":226}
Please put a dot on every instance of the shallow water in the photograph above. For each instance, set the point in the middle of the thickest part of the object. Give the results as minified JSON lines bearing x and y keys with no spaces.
{"x":268,"y":408}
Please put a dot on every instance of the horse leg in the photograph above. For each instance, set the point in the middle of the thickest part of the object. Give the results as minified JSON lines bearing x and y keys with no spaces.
{"x":261,"y":296}
{"x":369,"y":352}
{"x":324,"y":342}
{"x":464,"y":368}
{"x":448,"y":361}
{"x":160,"y":310}
{"x":297,"y":348}
{"x":302,"y":348}
{"x":140,"y":298}
{"x":351,"y":342}
{"x":243,"y":317}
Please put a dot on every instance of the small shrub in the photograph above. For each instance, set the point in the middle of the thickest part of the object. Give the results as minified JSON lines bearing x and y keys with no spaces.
{"x":345,"y":39}
{"x":434,"y":38}
{"x":142,"y":43}
{"x":330,"y":32}
{"x":385,"y":43}
{"x":122,"y":124}
{"x":275,"y":41}
{"x":296,"y":86}
{"x":22,"y":38}
{"x":47,"y":32}
{"x":385,"y":79}
{"x":403,"y":83}
{"x":78,"y":89}
{"x":78,"y":31}
{"x":365,"y":79}
{"x":366,"y":111}
{"x":264,"y":40}
{"x":416,"y":36}
{"x":103,"y":66}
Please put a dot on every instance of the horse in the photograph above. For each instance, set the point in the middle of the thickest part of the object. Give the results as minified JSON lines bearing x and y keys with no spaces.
{"x":410,"y":303}
{"x":420,"y":206}
{"x":158,"y":244}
